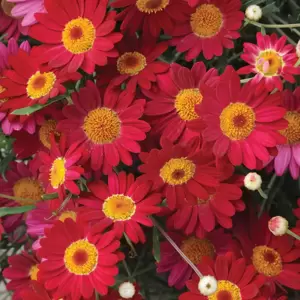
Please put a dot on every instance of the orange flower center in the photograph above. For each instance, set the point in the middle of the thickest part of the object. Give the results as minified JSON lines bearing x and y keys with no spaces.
{"x":28,"y":191}
{"x":58,"y":172}
{"x":206,"y":21}
{"x":79,"y":35}
{"x":68,"y":214}
{"x":46,"y":130}
{"x":237,"y":121}
{"x":102,"y":125}
{"x":7,"y":7}
{"x":151,"y":6}
{"x":33,"y":272}
{"x":40,"y":84}
{"x":177,"y":171}
{"x":195,"y":249}
{"x":292,"y":132}
{"x":2,"y":89}
{"x":119,"y":207}
{"x":269,"y":62}
{"x":185,"y":103}
{"x":226,"y":291}
{"x":267,"y":261}
{"x":131,"y":63}
{"x":81,"y":257}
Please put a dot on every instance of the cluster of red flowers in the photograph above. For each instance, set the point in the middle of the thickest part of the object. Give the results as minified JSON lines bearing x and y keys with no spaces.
{"x":85,"y":101}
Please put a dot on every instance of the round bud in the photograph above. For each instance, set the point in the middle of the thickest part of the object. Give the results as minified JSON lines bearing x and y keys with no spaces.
{"x":252,"y":181}
{"x":207,"y":285}
{"x":253,"y":12}
{"x":127,"y":290}
{"x":278,"y":226}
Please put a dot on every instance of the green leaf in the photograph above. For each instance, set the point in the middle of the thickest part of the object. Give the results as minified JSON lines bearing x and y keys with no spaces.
{"x":31,"y":109}
{"x":4,"y":211}
{"x":49,"y":196}
{"x":156,"y":245}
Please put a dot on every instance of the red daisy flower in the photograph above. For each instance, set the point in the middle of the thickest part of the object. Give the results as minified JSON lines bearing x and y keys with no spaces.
{"x":236,"y":279}
{"x":198,"y":216}
{"x":271,"y":60}
{"x":10,"y":26}
{"x":22,"y":271}
{"x":211,"y":26}
{"x":274,"y":257}
{"x":174,"y":104}
{"x":76,"y":34}
{"x":118,"y":118}
{"x":80,"y":261}
{"x":216,"y":242}
{"x":137,"y":63}
{"x":242,"y":125}
{"x":180,"y":171}
{"x":22,"y":183}
{"x":124,"y":203}
{"x":1,"y":229}
{"x":58,"y":168}
{"x":151,"y":16}
{"x":28,"y":82}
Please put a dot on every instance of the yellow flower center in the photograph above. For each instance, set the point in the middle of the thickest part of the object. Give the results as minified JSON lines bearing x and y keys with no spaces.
{"x":81,"y":257}
{"x":58,"y":172}
{"x":177,"y":171}
{"x":151,"y":6}
{"x":195,"y":249}
{"x":185,"y":103}
{"x":226,"y":291}
{"x":119,"y":207}
{"x":131,"y":63}
{"x":68,"y":214}
{"x":206,"y":21}
{"x":102,"y":126}
{"x":79,"y":35}
{"x":269,"y":62}
{"x":7,"y":7}
{"x":237,"y":121}
{"x":2,"y":89}
{"x":33,"y":272}
{"x":46,"y":130}
{"x":292,"y":132}
{"x":28,"y":190}
{"x":267,"y":261}
{"x":40,"y":84}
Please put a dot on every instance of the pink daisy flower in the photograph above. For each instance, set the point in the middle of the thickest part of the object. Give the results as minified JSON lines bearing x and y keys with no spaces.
{"x":25,"y":10}
{"x":272,"y":60}
{"x":9,"y":25}
{"x":288,"y":156}
{"x":5,"y":51}
{"x":216,"y":242}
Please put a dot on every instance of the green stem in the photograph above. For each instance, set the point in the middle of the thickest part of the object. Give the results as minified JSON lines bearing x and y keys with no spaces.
{"x":126,"y":267}
{"x":245,"y":80}
{"x":133,"y":252}
{"x":15,"y":198}
{"x":168,"y":238}
{"x":260,"y":25}
{"x":293,"y":234}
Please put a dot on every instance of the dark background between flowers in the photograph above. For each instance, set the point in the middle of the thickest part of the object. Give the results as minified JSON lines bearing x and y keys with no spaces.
{"x":283,"y":191}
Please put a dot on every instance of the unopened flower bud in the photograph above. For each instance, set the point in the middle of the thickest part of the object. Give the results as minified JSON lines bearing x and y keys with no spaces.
{"x":253,"y":12}
{"x":127,"y":290}
{"x":252,"y":181}
{"x":207,"y":285}
{"x":298,"y":49}
{"x":278,"y":226}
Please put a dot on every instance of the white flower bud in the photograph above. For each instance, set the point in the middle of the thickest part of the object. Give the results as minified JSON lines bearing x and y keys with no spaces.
{"x":278,"y":226}
{"x":253,"y":12}
{"x":298,"y":49}
{"x":252,"y":181}
{"x":207,"y":285}
{"x":127,"y":290}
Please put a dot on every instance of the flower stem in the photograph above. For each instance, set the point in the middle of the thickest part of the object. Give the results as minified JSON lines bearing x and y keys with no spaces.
{"x":262,"y":193}
{"x":260,"y":25}
{"x":133,"y":253}
{"x":168,"y":238}
{"x":126,"y":267}
{"x":14,"y":198}
{"x":293,"y":234}
{"x":245,"y":80}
